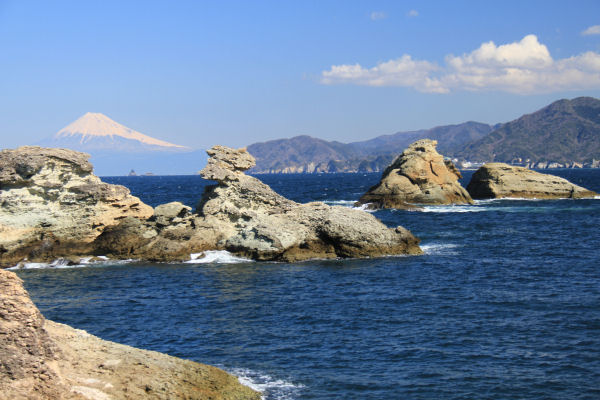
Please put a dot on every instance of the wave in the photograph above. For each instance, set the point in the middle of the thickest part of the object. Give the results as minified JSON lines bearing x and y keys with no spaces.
{"x":270,"y":388}
{"x":217,"y":257}
{"x":440,"y":249}
{"x":345,"y":203}
{"x":364,"y":207}
{"x":62,"y":263}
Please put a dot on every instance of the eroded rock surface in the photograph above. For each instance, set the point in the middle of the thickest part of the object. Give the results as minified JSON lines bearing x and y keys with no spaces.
{"x":420,"y":175}
{"x":498,"y":180}
{"x":52,"y":204}
{"x":44,"y":360}
{"x":254,"y":221}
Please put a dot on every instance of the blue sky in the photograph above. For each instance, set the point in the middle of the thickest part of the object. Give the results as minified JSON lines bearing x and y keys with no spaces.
{"x":237,"y":72}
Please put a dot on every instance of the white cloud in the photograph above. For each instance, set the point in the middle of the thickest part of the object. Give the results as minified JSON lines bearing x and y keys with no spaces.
{"x":592,"y":30}
{"x":375,"y":15}
{"x":523,"y":67}
{"x":403,"y":71}
{"x":412,"y":13}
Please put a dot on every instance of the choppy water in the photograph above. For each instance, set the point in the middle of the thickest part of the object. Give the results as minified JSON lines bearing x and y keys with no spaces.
{"x":504,"y":304}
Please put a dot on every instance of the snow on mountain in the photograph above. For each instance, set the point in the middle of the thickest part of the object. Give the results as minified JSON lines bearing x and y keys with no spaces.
{"x":116,"y":149}
{"x":94,"y":126}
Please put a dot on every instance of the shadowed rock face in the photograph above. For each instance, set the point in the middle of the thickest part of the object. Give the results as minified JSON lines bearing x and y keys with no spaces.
{"x":498,"y":180}
{"x":45,"y":360}
{"x":52,"y":203}
{"x":418,"y":176}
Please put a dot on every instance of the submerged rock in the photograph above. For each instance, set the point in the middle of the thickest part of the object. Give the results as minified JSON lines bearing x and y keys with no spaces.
{"x":498,"y":180}
{"x":45,"y":360}
{"x":420,"y":175}
{"x":53,"y":205}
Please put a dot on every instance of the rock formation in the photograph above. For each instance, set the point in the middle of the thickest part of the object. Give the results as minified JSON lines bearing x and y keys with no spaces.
{"x":45,"y":360}
{"x":246,"y":217}
{"x":256,"y":222}
{"x":420,"y":175}
{"x":53,"y":206}
{"x":52,"y":203}
{"x":497,"y":180}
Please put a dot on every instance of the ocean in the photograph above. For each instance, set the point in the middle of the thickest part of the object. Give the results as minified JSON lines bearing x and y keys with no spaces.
{"x":505,"y":303}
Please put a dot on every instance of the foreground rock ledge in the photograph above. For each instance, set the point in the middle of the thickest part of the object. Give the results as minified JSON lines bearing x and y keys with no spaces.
{"x":499,"y":180}
{"x":420,"y":175}
{"x":42,"y":359}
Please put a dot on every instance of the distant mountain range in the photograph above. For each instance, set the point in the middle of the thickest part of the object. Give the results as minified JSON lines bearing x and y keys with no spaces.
{"x":564,"y":132}
{"x":308,"y":154}
{"x":116,"y":149}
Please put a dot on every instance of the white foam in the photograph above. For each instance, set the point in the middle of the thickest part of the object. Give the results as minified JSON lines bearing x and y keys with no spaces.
{"x":440,"y":249}
{"x":452,"y":209}
{"x":345,"y":203}
{"x":268,"y":386}
{"x":364,"y":207}
{"x":217,"y":257}
{"x":62,"y":263}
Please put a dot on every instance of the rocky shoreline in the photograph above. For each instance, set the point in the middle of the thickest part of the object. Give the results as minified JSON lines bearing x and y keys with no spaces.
{"x":54,"y":207}
{"x":42,"y":359}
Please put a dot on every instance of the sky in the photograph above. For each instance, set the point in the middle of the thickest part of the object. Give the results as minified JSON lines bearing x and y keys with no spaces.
{"x":201,"y":73}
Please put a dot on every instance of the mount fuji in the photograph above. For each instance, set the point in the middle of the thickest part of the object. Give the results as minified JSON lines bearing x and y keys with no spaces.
{"x":116,"y":149}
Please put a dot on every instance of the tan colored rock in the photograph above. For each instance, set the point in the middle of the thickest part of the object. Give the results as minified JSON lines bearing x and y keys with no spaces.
{"x":254,"y":221}
{"x":498,"y":180}
{"x":28,"y":354}
{"x":418,"y":176}
{"x":53,"y":205}
{"x":58,"y":209}
{"x":44,"y":360}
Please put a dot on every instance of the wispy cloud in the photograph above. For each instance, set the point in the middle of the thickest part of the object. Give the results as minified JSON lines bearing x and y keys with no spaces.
{"x":592,"y":30}
{"x":412,"y":13}
{"x":523,"y":67}
{"x":377,"y":15}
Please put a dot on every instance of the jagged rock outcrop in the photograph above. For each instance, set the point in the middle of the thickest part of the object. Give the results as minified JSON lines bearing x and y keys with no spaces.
{"x":498,"y":180}
{"x":52,"y":203}
{"x":420,"y":175}
{"x":45,"y":360}
{"x":53,"y":206}
{"x":254,"y":221}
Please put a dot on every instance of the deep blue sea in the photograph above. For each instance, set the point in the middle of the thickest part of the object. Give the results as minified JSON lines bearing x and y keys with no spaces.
{"x":505,"y":304}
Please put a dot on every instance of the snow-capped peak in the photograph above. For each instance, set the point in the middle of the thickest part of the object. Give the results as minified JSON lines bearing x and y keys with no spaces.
{"x":93,"y":125}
